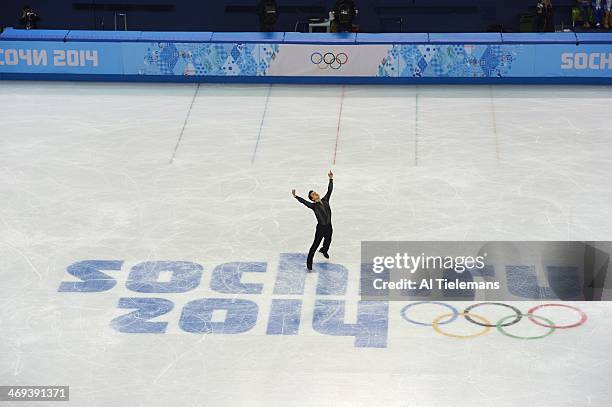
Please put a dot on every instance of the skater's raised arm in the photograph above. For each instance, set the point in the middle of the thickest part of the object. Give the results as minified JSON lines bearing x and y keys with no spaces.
{"x":330,"y":186}
{"x":302,"y":200}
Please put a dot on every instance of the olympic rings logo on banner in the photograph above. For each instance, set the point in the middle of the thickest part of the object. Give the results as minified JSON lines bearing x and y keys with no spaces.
{"x":500,"y":325}
{"x":329,"y":60}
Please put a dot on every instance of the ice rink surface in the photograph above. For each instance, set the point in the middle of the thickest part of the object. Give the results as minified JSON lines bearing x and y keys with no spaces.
{"x":136,"y":173}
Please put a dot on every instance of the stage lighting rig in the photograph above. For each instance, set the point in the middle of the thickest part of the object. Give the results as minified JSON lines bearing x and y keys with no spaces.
{"x":267,"y":11}
{"x":344,"y":12}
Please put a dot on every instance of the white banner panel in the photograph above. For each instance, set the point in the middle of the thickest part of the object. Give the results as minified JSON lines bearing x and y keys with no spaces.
{"x":327,"y":60}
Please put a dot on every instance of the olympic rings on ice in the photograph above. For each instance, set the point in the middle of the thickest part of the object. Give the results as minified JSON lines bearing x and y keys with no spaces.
{"x":485,"y":323}
{"x":329,"y":60}
{"x":482,"y":321}
{"x":583,"y":316}
{"x":501,"y":329}
{"x":453,"y":316}
{"x":468,"y":316}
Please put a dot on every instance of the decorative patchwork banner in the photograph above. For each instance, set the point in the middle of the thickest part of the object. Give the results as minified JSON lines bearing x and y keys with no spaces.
{"x":464,"y":61}
{"x":201,"y":59}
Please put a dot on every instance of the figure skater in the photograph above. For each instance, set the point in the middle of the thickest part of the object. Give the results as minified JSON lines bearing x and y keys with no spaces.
{"x":320,"y":207}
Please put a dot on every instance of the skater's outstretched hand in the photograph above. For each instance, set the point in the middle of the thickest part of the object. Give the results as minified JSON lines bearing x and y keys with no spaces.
{"x":330,"y":174}
{"x":293,"y":192}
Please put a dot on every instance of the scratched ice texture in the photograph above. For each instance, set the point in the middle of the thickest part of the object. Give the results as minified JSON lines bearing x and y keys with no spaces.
{"x":135,"y":175}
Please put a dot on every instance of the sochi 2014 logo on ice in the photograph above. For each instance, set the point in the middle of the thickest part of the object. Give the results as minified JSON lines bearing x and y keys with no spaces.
{"x":233,"y":299}
{"x":329,"y":60}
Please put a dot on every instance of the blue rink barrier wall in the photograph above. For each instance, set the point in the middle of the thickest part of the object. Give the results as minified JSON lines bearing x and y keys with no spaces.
{"x":306,"y":58}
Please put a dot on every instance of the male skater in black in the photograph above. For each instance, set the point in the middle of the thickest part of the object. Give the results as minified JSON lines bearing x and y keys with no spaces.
{"x":322,"y":211}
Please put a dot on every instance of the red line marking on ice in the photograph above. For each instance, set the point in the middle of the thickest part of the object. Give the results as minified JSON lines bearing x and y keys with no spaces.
{"x":338,"y":127}
{"x":263,"y":118}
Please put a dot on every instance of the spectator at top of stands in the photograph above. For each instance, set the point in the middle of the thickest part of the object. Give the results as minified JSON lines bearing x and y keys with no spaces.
{"x":29,"y":18}
{"x":601,"y":12}
{"x":585,"y":12}
{"x":545,"y":16}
